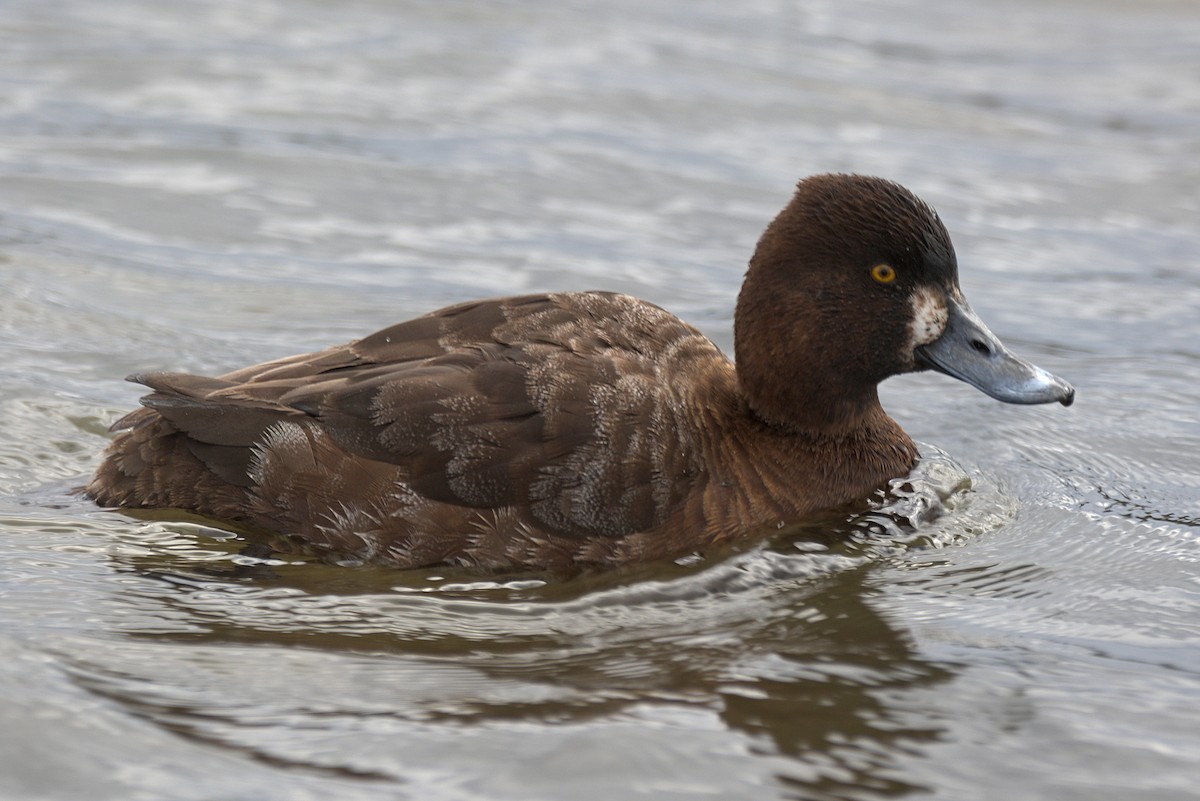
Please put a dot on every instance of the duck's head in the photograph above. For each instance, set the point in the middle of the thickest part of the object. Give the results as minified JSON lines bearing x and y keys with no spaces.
{"x":855,"y":281}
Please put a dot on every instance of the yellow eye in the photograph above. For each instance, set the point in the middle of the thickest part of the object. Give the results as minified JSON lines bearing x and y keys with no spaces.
{"x":883,"y":273}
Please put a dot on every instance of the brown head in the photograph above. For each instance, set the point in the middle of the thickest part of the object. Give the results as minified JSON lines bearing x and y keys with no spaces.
{"x":855,"y":281}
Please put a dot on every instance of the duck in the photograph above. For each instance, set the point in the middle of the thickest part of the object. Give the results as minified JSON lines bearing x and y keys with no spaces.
{"x":568,"y":430}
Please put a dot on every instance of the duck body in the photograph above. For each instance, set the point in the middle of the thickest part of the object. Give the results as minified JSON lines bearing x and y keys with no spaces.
{"x":586,"y":428}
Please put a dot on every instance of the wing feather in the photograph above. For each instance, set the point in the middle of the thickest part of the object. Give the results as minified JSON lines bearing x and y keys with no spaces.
{"x":550,"y":406}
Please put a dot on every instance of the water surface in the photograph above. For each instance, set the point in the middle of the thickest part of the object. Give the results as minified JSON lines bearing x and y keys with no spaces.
{"x":201,"y":186}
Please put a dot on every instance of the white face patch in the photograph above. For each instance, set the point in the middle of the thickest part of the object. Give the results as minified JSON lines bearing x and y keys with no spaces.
{"x":929,"y":317}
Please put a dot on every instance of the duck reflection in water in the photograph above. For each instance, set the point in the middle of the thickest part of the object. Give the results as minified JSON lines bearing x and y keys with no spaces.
{"x":779,"y":646}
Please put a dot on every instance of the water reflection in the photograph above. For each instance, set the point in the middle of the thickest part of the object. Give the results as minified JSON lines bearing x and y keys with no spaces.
{"x":778,"y":644}
{"x":822,"y":693}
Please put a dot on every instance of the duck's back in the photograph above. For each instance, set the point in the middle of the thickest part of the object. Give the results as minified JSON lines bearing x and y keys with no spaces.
{"x":535,"y":430}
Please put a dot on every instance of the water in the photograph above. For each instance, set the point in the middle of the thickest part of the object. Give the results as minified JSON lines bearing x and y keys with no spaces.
{"x":200,"y":186}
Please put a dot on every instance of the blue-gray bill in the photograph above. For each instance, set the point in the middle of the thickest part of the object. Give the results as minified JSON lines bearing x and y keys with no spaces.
{"x":968,"y":351}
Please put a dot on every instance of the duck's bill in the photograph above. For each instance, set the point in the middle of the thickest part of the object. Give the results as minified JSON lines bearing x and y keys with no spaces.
{"x":968,"y":351}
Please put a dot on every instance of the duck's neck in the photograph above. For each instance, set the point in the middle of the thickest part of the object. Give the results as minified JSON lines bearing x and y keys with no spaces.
{"x":807,"y":469}
{"x":815,"y":413}
{"x":792,"y":379}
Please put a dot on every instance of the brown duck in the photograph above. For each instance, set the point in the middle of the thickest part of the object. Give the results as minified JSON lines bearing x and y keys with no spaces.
{"x":577,"y":428}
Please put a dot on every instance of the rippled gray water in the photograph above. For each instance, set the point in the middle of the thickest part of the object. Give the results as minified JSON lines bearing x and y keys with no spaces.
{"x":197,"y":186}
